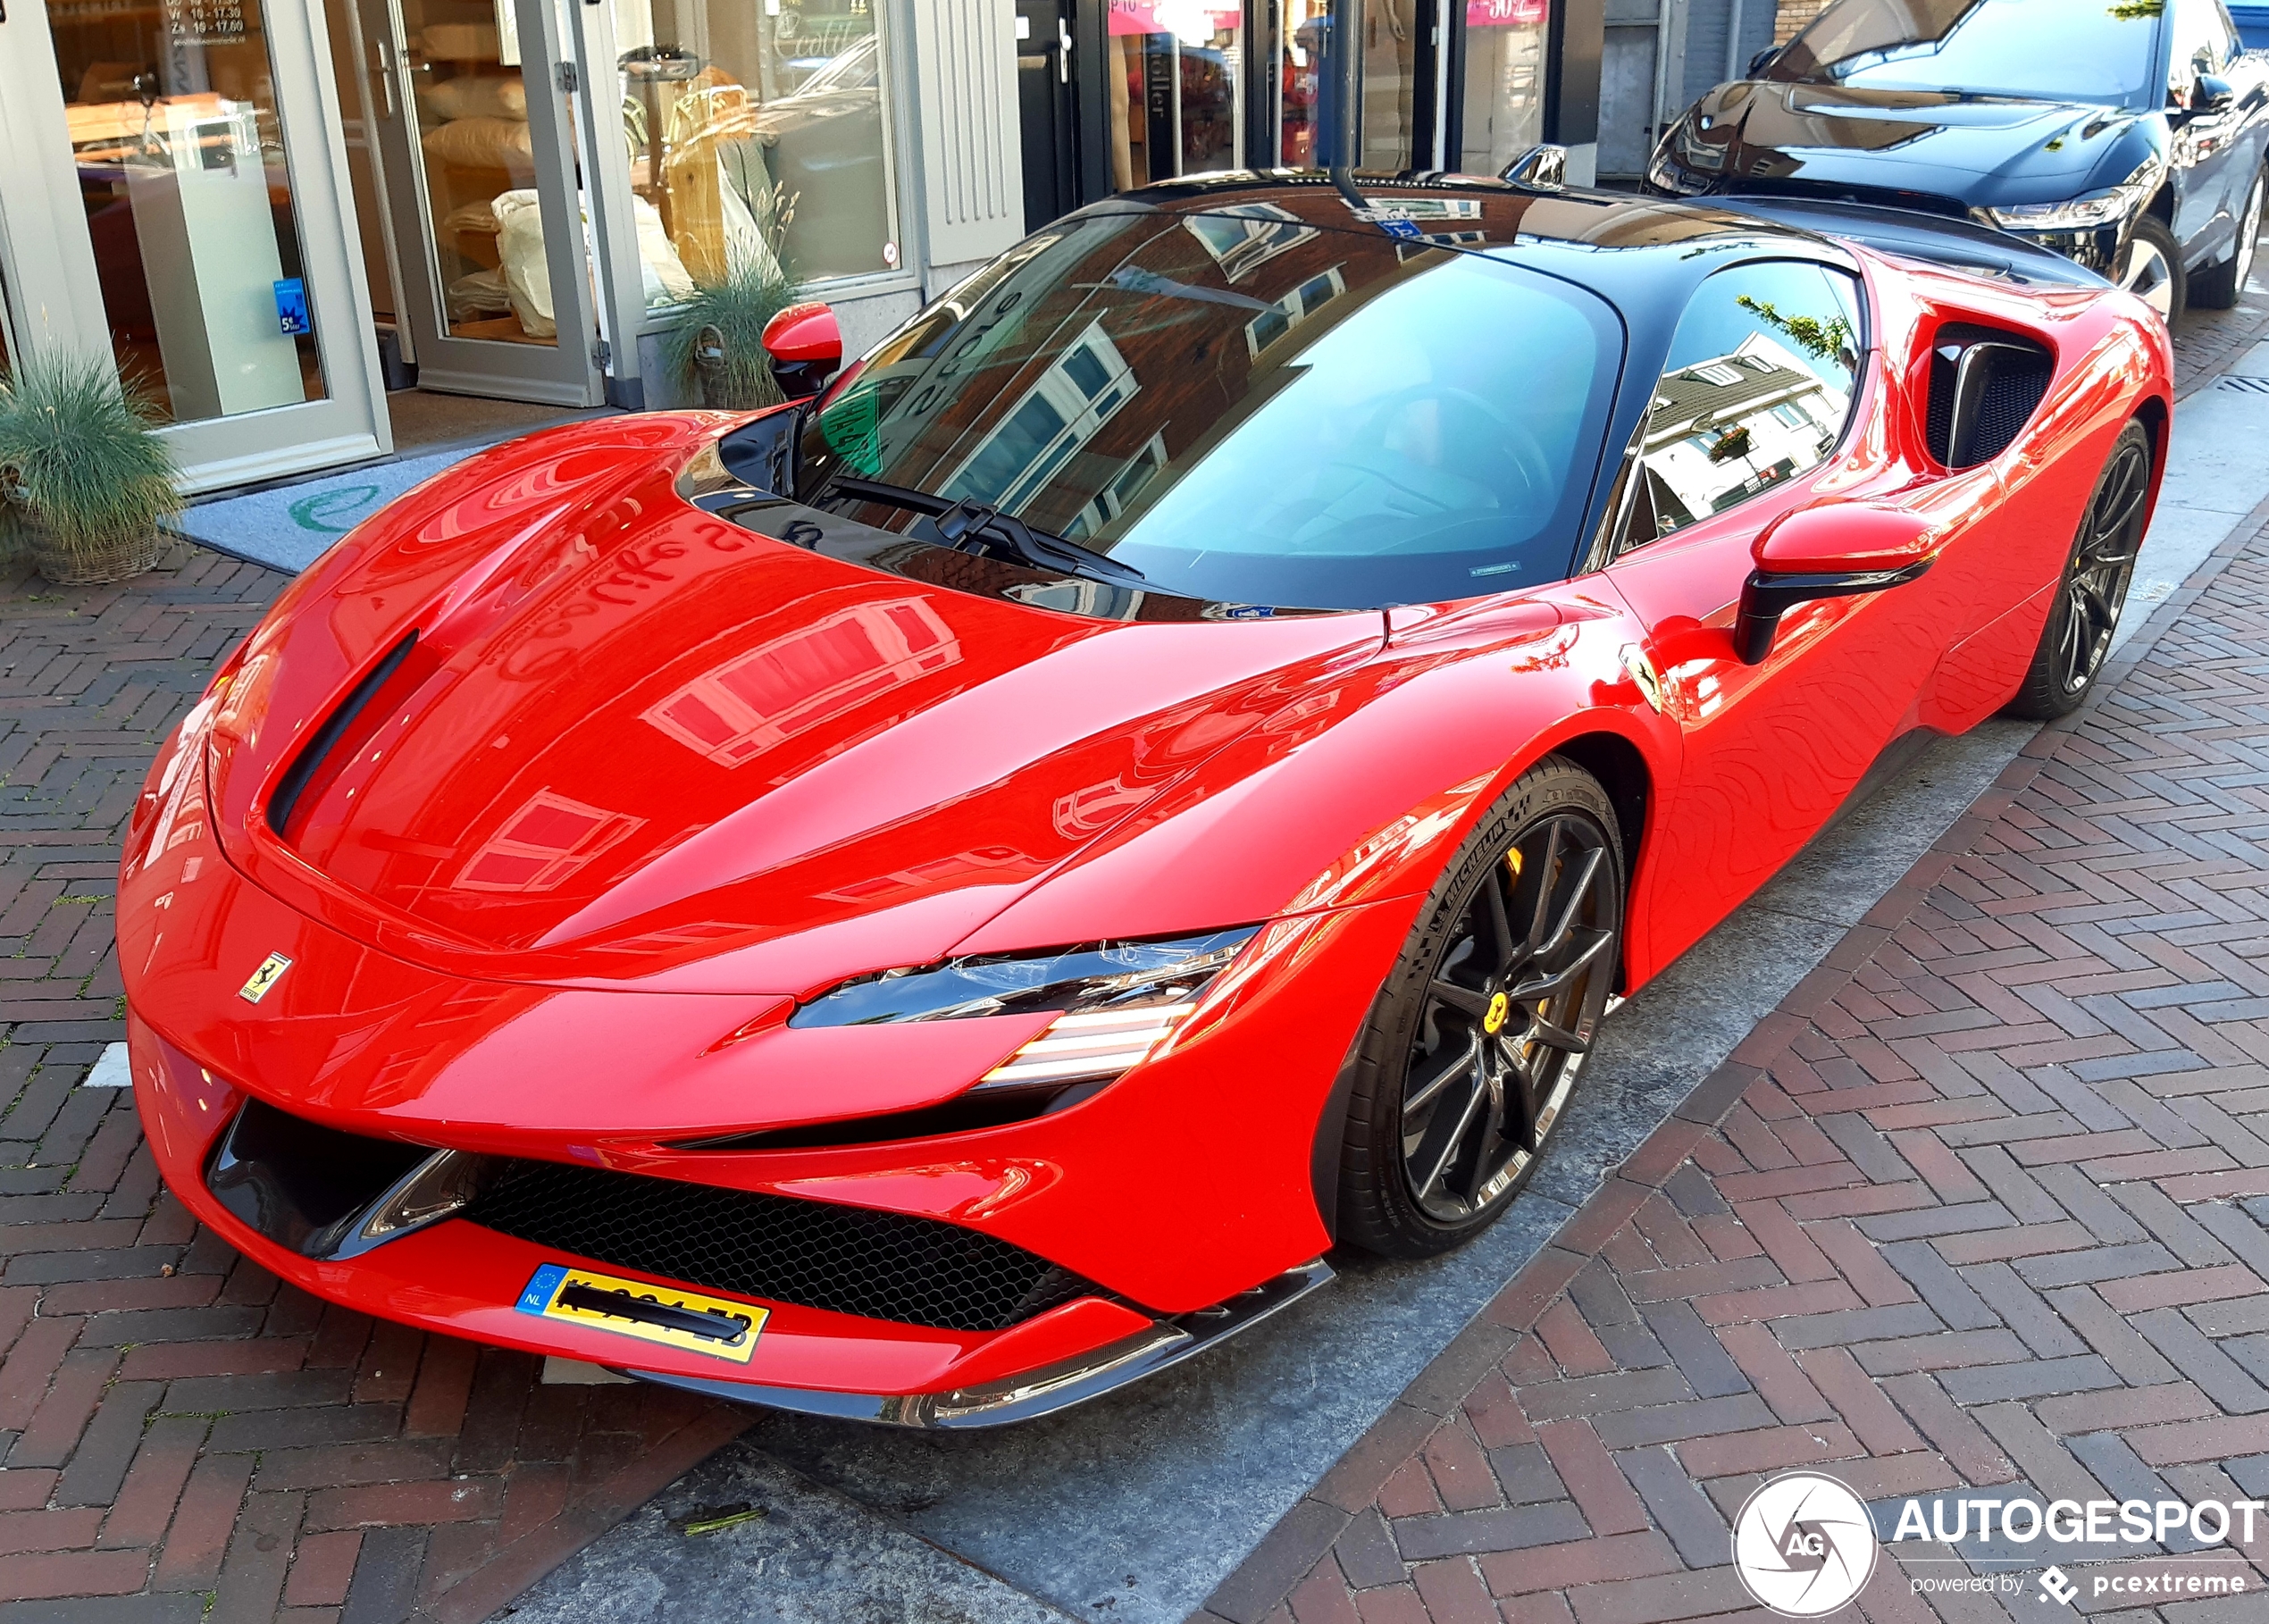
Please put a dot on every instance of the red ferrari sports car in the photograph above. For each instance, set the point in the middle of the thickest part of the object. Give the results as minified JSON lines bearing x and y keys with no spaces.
{"x":935,"y":899}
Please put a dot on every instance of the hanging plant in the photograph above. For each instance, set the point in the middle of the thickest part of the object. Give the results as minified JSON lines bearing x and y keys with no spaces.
{"x":84,"y":479}
{"x":1734,"y":442}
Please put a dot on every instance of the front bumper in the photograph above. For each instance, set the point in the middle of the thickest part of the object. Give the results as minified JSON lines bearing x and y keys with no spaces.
{"x":460,"y":1277}
{"x":2096,"y":247}
{"x":1190,"y":1182}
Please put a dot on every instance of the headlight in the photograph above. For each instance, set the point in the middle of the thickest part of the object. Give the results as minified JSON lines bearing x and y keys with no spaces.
{"x":1116,"y":1001}
{"x":2109,"y":206}
{"x":1665,"y":174}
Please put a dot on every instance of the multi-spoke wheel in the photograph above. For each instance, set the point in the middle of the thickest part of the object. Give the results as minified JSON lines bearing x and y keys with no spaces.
{"x":2150,"y":267}
{"x":2085,"y":613}
{"x":1476,"y":1043}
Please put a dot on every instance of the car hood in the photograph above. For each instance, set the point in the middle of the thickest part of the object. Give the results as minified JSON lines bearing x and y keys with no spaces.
{"x":630,"y":742}
{"x":1974,"y":150}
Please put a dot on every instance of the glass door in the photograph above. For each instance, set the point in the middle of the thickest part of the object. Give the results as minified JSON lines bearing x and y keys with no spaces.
{"x":472,"y":97}
{"x":1176,"y":81}
{"x":1344,"y":88}
{"x":1505,"y":44}
{"x":166,"y":184}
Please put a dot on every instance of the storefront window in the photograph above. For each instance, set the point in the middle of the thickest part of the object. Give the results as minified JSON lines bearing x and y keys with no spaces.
{"x":181,"y":164}
{"x":760,"y":141}
{"x":1391,"y":52}
{"x":1311,"y":114}
{"x":1176,"y":72}
{"x":1504,"y":81}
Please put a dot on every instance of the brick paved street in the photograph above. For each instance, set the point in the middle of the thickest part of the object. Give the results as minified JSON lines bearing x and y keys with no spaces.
{"x":1983,"y":1203}
{"x":1890,"y":1248}
{"x":183,"y":1437}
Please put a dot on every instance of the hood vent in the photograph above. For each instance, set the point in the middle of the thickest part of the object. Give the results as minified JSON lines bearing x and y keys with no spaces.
{"x":293,"y":785}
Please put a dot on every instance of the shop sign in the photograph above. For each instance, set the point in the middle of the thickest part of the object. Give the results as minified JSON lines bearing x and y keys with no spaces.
{"x":204,"y":22}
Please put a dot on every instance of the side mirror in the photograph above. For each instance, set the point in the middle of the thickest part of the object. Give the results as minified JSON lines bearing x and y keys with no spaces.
{"x":2211,"y":94}
{"x":805,"y":346}
{"x":1762,"y":61}
{"x":1828,"y":551}
{"x":1543,"y":168}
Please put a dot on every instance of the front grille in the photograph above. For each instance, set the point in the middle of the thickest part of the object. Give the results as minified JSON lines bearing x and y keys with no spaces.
{"x":815,"y":1254}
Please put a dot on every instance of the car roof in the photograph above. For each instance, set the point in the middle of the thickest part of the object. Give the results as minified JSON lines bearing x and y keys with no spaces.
{"x":1497,"y":212}
{"x":1478,"y":213}
{"x":1642,"y":255}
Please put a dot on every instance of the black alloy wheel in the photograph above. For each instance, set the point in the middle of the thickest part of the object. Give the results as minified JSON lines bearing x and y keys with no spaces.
{"x":1504,"y":1018}
{"x":2085,"y":613}
{"x":1476,"y":1043}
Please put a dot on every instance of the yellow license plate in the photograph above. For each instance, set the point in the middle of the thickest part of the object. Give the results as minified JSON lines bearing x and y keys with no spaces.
{"x":718,"y":1326}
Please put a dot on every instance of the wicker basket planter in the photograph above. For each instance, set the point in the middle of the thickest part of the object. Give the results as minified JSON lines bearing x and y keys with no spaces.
{"x":112,"y":559}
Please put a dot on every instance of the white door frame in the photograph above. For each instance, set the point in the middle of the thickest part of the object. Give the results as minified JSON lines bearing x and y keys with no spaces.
{"x":567,"y":371}
{"x":47,"y":260}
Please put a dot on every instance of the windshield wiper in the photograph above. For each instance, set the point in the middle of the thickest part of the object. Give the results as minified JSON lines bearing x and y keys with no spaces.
{"x":973,"y":526}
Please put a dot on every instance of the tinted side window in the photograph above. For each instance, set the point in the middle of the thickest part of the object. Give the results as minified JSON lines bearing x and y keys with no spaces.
{"x":1756,"y":390}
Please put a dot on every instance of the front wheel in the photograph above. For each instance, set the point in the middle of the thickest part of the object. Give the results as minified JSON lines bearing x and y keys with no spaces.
{"x":1475,"y":1044}
{"x":2220,"y":287}
{"x":2085,"y":611}
{"x":2150,"y":267}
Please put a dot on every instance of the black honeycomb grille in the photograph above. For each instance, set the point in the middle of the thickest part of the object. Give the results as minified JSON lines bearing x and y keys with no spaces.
{"x":815,"y":1254}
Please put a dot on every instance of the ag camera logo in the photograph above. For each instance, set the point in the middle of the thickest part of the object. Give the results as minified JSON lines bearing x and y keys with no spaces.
{"x":1804,"y":1545}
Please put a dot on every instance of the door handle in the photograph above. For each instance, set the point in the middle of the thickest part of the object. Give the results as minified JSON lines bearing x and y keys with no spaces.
{"x":1063,"y":51}
{"x":384,"y":73}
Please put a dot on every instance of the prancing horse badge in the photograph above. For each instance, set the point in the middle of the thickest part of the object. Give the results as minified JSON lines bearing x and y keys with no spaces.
{"x":268,"y":975}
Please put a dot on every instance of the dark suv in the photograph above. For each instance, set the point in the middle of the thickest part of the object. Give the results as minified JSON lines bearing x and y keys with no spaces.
{"x":2126,"y":134}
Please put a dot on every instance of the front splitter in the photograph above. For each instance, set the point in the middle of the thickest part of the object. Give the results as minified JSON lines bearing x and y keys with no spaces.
{"x":1035,"y":1392}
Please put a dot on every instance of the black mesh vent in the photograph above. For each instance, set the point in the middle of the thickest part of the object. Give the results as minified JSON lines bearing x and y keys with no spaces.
{"x":1941,"y":412}
{"x":2016,"y":375}
{"x":2010,"y":398}
{"x":815,"y":1254}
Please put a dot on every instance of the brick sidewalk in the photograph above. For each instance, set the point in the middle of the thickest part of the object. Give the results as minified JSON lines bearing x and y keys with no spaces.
{"x":1979,"y":1203}
{"x":184,"y":1437}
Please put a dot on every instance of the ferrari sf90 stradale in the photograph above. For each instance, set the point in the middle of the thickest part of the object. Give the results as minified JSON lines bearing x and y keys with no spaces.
{"x":935,"y":899}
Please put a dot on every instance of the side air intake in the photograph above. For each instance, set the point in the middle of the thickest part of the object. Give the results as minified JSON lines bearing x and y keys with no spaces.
{"x":1985,"y":385}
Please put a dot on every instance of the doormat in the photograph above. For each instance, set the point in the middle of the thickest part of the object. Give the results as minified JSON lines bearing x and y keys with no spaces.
{"x":290,"y":527}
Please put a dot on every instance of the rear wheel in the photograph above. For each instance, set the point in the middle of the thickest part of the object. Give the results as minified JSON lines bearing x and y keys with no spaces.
{"x":1475,"y":1044}
{"x":2150,"y":267}
{"x":2086,"y":610}
{"x":2219,"y":286}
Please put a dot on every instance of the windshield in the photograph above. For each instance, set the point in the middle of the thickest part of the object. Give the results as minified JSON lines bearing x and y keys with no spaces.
{"x":2058,"y":50}
{"x":1244,"y":408}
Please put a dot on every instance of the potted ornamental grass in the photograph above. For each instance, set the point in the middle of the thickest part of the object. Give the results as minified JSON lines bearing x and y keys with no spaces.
{"x":718,"y":346}
{"x":83,"y":481}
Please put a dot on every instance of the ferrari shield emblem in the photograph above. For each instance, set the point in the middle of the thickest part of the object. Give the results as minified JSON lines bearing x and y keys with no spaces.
{"x":268,"y":975}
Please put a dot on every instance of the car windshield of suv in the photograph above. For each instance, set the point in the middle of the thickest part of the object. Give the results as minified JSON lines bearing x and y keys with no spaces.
{"x":2058,"y":50}
{"x":1242,"y":406}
